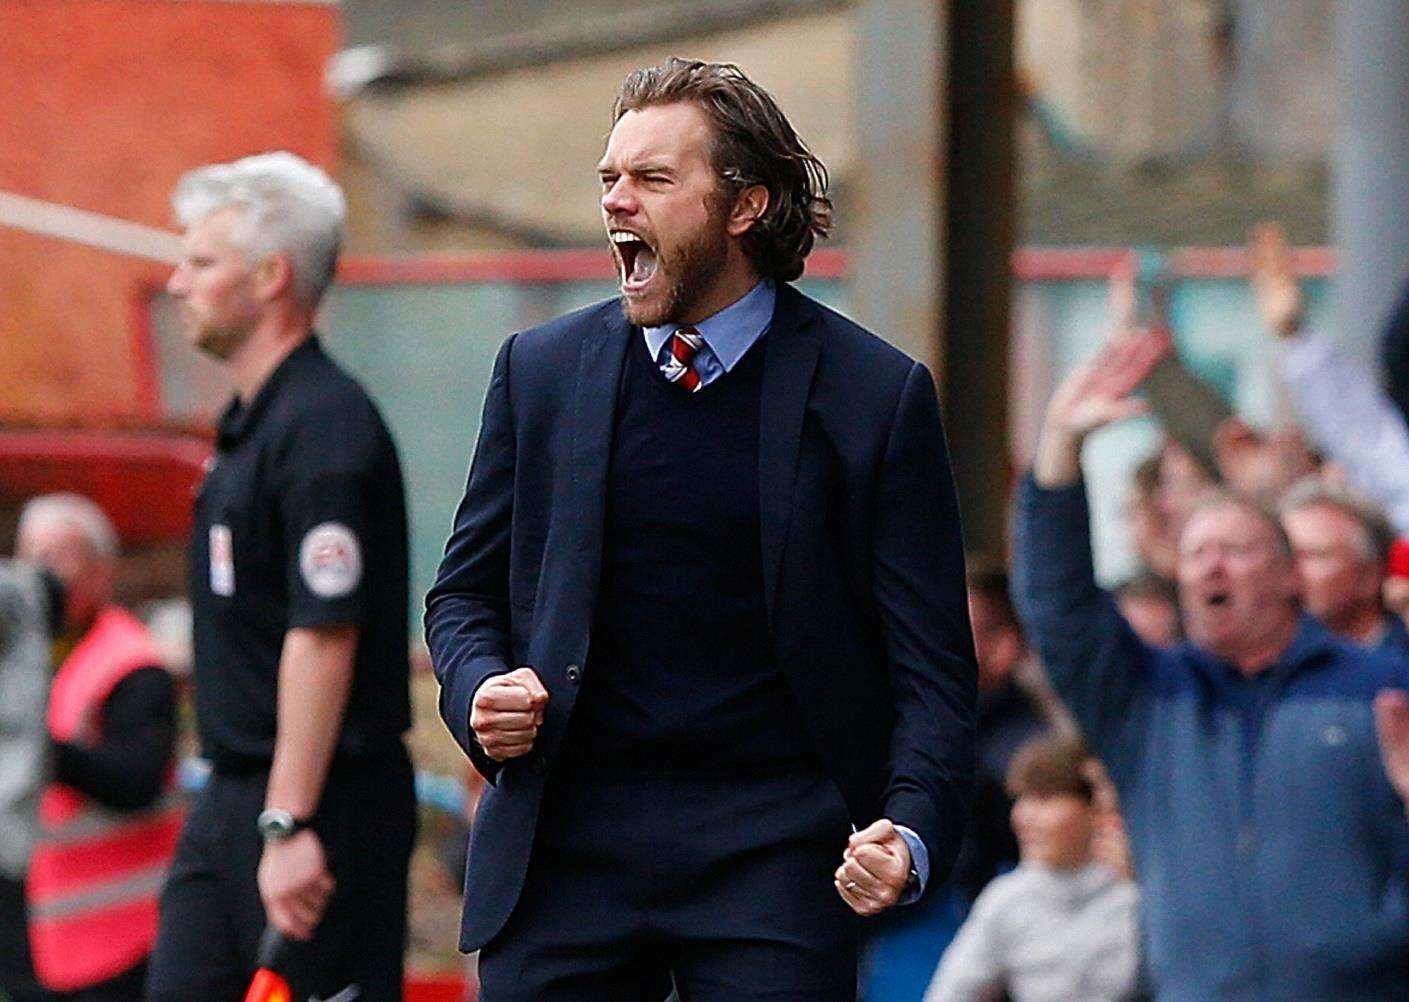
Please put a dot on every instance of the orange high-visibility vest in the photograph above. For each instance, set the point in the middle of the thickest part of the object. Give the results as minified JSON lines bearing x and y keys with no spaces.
{"x":96,"y":872}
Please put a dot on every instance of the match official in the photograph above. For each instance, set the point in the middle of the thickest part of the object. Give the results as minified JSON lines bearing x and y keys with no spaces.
{"x":298,"y":587}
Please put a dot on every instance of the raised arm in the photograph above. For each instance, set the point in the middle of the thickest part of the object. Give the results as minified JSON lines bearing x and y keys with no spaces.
{"x":1094,"y":659}
{"x":1340,"y":403}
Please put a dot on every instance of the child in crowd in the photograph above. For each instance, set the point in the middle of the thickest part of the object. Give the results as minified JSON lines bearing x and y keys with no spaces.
{"x":1062,"y":925}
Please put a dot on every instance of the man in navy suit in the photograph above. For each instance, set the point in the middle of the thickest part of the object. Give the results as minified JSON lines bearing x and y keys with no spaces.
{"x":701,"y":621}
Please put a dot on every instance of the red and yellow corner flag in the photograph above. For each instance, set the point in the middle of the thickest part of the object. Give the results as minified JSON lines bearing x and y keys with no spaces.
{"x":268,"y":987}
{"x":268,"y":984}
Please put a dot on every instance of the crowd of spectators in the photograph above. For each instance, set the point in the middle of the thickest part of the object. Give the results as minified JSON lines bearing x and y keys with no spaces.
{"x":1244,"y":691}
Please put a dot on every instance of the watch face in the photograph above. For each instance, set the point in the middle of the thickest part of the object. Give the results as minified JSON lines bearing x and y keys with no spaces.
{"x":275,"y":824}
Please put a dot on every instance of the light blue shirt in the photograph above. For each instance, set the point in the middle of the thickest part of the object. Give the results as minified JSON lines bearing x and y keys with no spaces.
{"x":727,"y":336}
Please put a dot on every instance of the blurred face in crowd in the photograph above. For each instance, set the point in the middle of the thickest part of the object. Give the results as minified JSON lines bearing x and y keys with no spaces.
{"x":1161,"y":501}
{"x":214,"y":285}
{"x":65,"y":550}
{"x":1183,"y":484}
{"x":667,"y":216}
{"x":997,"y":642}
{"x":1054,"y":829}
{"x":1340,"y":578}
{"x":1261,"y":464}
{"x":1237,"y":587}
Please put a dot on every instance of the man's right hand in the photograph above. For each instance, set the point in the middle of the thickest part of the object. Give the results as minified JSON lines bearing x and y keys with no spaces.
{"x":1094,"y":395}
{"x":1275,"y":289}
{"x":507,"y":712}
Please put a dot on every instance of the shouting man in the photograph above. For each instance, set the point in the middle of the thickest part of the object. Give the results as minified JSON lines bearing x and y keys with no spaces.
{"x":701,"y":621}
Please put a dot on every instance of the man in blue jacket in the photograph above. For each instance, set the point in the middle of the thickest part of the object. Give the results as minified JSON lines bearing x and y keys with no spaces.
{"x":1267,"y":821}
{"x":701,"y":621}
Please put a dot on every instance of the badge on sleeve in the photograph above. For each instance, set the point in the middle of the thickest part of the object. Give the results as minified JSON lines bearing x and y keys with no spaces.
{"x":330,"y":560}
{"x":222,"y":561}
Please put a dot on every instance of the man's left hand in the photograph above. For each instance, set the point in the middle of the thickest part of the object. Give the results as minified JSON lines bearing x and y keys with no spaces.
{"x":875,"y":869}
{"x":294,"y":884}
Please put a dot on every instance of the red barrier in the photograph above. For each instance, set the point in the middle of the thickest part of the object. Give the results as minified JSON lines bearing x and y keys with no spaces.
{"x":143,"y":480}
{"x":443,"y":988}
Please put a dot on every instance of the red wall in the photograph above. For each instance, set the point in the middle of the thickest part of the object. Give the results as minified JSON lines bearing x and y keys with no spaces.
{"x":105,"y":103}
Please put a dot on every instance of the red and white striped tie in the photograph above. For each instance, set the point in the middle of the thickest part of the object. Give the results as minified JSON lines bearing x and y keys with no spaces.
{"x":679,"y":367}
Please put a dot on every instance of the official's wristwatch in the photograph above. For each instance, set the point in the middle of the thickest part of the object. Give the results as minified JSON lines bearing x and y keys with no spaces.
{"x":278,"y":825}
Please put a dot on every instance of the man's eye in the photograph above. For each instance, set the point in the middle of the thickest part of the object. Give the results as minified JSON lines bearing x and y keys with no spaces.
{"x":608,"y":180}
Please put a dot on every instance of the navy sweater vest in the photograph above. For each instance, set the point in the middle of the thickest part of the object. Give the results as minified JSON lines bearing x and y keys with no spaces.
{"x":679,"y":678}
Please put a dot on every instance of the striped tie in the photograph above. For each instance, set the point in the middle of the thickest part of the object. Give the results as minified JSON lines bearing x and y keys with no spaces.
{"x":685,"y":344}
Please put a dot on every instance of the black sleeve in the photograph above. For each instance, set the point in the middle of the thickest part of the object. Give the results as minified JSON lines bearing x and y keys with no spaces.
{"x":326,"y":471}
{"x":125,"y":769}
{"x":1395,"y":346}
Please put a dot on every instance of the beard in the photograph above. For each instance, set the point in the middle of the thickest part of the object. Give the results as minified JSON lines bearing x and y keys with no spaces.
{"x":218,"y":338}
{"x":688,"y":272}
{"x":221,"y":342}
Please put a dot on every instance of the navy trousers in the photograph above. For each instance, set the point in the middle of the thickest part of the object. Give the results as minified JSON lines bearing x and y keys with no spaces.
{"x":719,"y":887}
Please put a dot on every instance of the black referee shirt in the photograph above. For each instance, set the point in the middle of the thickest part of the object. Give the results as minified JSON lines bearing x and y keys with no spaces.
{"x":301,"y":521}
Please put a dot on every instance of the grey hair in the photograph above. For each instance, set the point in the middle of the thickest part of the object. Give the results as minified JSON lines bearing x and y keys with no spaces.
{"x":1219,"y":498}
{"x":289,"y":205}
{"x":1376,"y":534}
{"x":76,"y":510}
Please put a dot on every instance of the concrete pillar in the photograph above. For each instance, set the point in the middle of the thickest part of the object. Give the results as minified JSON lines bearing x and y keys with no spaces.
{"x":896,"y":286}
{"x":934,"y":233}
{"x":1370,"y":170}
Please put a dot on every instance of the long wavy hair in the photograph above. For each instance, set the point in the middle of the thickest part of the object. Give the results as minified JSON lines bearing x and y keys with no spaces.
{"x":753,"y":144}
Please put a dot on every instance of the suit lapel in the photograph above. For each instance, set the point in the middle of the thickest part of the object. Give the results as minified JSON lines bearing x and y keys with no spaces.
{"x":599,"y":363}
{"x":789,"y":361}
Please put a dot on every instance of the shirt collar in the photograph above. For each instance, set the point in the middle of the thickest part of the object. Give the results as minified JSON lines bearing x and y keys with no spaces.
{"x":239,"y":417}
{"x":732,"y":331}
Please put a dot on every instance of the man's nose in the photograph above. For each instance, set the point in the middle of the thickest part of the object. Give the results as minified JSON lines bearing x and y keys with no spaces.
{"x":176,"y":282}
{"x":618,"y":199}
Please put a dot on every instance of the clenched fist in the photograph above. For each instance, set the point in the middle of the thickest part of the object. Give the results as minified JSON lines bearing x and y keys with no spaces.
{"x":507,"y":712}
{"x":875,"y":869}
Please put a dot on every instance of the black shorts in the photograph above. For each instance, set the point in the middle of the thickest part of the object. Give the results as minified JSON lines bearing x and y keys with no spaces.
{"x":212,"y":917}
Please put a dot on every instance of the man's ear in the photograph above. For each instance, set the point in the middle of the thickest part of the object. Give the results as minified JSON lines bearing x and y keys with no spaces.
{"x":273,"y":276}
{"x":749,"y":207}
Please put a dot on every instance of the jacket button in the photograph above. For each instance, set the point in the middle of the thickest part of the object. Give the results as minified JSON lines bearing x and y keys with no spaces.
{"x":574,"y":674}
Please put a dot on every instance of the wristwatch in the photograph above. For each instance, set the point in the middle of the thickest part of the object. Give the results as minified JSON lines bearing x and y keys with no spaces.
{"x":278,"y":825}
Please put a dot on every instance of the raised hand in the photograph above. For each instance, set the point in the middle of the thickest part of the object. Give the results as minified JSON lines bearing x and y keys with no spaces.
{"x":1094,"y":395}
{"x":1275,"y":288}
{"x":507,"y":712}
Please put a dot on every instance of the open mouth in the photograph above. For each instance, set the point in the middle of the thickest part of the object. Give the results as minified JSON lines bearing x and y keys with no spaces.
{"x":635,"y":258}
{"x":1218,"y":599}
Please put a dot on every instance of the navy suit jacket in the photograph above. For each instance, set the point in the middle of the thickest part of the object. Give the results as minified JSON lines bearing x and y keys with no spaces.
{"x":863,"y":571}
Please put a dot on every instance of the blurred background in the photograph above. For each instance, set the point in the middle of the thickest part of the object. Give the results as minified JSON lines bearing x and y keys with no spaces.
{"x":994,"y":165}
